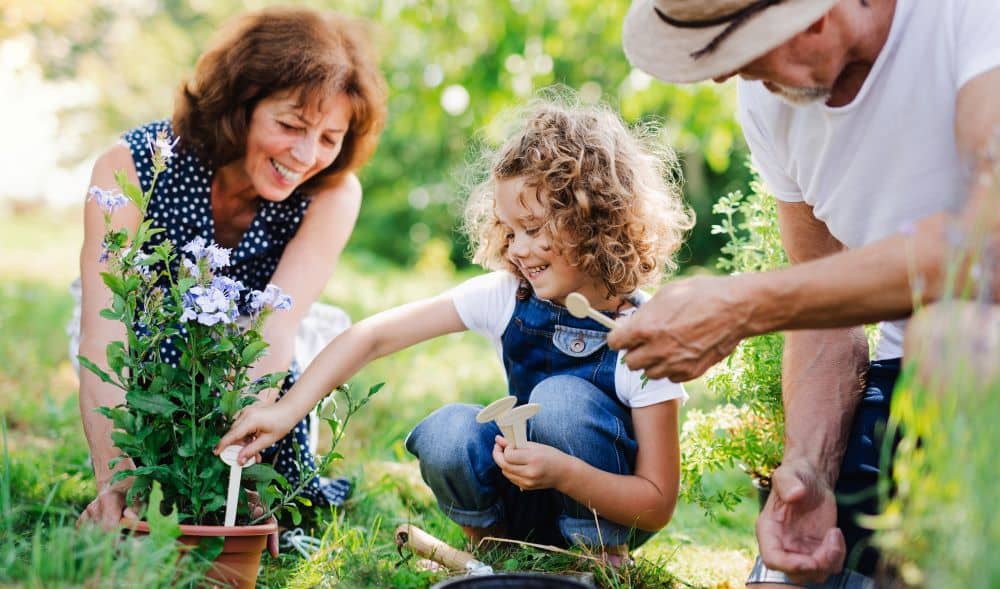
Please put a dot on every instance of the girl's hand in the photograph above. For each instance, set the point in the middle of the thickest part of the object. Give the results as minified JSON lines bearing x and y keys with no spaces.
{"x":534,"y":467}
{"x":258,"y":427}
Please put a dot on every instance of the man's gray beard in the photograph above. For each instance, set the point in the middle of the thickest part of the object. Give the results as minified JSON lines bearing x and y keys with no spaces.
{"x":800,"y":96}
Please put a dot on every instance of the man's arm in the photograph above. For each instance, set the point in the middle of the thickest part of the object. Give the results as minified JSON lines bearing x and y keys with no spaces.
{"x":940,"y":253}
{"x":822,"y":369}
{"x":822,"y":373}
{"x":879,"y":281}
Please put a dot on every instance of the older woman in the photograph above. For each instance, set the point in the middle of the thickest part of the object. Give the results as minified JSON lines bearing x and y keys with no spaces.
{"x":280,"y":112}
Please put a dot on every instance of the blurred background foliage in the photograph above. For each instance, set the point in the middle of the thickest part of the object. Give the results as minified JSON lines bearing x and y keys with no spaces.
{"x":452,"y":65}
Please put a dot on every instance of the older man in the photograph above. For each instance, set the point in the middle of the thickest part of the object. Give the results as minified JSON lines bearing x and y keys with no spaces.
{"x":870,"y":121}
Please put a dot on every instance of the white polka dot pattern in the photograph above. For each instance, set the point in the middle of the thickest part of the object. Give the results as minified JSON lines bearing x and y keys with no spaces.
{"x":181,"y":204}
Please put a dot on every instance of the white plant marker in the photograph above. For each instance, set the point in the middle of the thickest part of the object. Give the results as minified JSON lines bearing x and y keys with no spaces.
{"x":517,"y":420}
{"x":235,"y":475}
{"x":579,"y":307}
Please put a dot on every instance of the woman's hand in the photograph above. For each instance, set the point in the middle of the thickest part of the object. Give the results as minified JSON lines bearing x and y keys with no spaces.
{"x":107,"y":509}
{"x":533,"y":467}
{"x":258,"y":427}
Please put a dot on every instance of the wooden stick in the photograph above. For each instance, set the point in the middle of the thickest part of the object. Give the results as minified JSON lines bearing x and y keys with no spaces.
{"x":579,"y":307}
{"x":427,"y":546}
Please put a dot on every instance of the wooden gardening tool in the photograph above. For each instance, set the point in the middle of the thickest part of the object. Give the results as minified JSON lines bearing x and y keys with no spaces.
{"x":495,"y":410}
{"x":427,"y":546}
{"x":517,"y":421}
{"x":512,"y":421}
{"x":579,"y":307}
{"x":228,"y":455}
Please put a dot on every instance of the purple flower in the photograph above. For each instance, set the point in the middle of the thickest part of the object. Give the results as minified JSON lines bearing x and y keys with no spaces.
{"x":218,"y":257}
{"x":108,"y":200}
{"x":161,"y":146}
{"x":272,"y":296}
{"x":192,"y":268}
{"x":195,"y":247}
{"x":213,"y":318}
{"x":231,"y":288}
{"x":207,"y":305}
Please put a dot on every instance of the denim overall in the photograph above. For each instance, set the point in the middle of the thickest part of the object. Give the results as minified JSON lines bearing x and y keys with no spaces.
{"x":563,"y":363}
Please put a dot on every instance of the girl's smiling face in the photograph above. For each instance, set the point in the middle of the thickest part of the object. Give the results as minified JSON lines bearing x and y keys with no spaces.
{"x":534,"y":252}
{"x":289,"y":142}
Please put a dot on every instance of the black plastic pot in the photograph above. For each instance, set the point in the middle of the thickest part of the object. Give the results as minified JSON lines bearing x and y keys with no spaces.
{"x":512,"y":581}
{"x":763,"y":486}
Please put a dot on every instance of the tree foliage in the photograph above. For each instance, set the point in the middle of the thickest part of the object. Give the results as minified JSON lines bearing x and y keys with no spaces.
{"x":452,"y":65}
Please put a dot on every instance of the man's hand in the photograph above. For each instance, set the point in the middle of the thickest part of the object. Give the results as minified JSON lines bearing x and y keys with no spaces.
{"x":796,"y":531}
{"x":107,"y":508}
{"x":534,"y":467}
{"x":688,"y":326}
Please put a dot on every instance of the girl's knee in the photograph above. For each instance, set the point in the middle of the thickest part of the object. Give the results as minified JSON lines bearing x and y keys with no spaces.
{"x":565,"y":394}
{"x":570,"y":405}
{"x":451,"y":437}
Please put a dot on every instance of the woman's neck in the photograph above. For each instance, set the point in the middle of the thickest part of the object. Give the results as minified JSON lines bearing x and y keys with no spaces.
{"x":230,"y":183}
{"x":234,"y":204}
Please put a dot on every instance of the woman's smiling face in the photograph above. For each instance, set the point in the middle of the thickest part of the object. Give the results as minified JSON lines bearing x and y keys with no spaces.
{"x":289,"y":142}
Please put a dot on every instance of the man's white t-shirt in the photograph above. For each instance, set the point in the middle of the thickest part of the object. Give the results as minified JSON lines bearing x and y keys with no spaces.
{"x":875,"y":166}
{"x":486,"y":304}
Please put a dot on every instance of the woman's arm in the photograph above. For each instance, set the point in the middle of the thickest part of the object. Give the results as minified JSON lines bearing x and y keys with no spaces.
{"x":97,"y":332}
{"x":305,"y":267}
{"x":644,"y":499}
{"x":367,"y":340}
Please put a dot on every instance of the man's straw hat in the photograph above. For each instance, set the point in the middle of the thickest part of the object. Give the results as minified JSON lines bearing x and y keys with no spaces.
{"x":693,"y":40}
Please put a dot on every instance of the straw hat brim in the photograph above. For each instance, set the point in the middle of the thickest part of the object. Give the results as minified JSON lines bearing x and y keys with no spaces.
{"x":664,"y":51}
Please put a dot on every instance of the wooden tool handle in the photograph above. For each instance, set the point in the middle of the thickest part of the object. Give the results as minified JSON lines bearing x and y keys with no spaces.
{"x":427,"y":546}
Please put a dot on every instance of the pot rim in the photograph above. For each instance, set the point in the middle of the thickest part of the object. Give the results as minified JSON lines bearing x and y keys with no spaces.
{"x":268,"y":527}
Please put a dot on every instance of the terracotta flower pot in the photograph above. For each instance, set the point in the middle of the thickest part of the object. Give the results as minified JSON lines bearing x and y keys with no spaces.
{"x":240,"y":559}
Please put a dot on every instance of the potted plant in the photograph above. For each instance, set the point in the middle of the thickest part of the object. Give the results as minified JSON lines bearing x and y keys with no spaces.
{"x":174,"y":413}
{"x":747,"y":429}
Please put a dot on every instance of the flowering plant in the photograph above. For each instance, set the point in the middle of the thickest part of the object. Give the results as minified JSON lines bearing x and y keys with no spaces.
{"x":184,"y":365}
{"x":747,"y":430}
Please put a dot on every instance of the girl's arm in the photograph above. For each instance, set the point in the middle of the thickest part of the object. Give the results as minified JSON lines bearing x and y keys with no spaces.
{"x":368,"y":340}
{"x":305,"y":267}
{"x":95,"y":334}
{"x":644,"y":499}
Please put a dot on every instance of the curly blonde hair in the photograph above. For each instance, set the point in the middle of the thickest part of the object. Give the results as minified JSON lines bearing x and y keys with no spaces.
{"x":614,"y":206}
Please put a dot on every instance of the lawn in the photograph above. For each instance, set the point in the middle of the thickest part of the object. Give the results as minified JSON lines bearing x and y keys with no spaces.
{"x":47,"y":480}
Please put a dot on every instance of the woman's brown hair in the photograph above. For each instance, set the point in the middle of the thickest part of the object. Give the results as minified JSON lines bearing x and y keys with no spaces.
{"x":277,"y":50}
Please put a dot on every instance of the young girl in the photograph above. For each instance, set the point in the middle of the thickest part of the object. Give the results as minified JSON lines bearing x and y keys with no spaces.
{"x":573,"y":202}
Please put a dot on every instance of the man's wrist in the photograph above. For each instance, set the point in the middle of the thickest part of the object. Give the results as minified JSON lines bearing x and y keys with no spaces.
{"x":821,"y":467}
{"x":765,"y":303}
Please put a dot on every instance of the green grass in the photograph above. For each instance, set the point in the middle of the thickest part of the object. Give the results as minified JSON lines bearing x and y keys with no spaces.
{"x":47,"y":480}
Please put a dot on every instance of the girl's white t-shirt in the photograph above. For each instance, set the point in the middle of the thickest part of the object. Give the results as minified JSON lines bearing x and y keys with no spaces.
{"x":874,"y":167}
{"x":486,"y":304}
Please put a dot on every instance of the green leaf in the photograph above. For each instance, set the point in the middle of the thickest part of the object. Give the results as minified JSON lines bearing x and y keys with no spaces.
{"x":115,"y":283}
{"x":117,"y":357}
{"x":228,"y":402}
{"x":104,"y":376}
{"x":223,"y":345}
{"x":163,"y":529}
{"x":253,"y":351}
{"x":111,"y":314}
{"x":263,"y":473}
{"x":157,"y":404}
